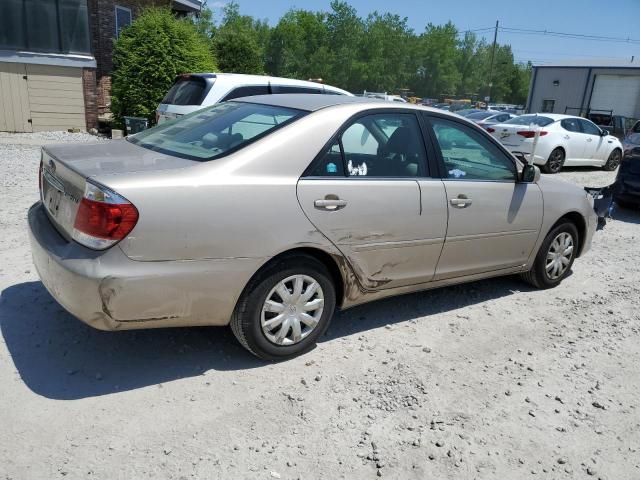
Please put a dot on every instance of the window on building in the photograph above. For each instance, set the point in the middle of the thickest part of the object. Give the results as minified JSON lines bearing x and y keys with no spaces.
{"x":49,"y":26}
{"x":548,"y":106}
{"x":123,"y":18}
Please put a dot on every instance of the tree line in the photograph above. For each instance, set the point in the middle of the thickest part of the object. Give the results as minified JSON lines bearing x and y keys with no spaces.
{"x":379,"y":52}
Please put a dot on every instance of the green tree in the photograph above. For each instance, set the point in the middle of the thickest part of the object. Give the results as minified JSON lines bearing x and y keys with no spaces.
{"x":386,"y":56}
{"x":437,"y":52}
{"x":239,"y":42}
{"x":346,"y":32}
{"x":298,"y":46}
{"x":148,"y":55}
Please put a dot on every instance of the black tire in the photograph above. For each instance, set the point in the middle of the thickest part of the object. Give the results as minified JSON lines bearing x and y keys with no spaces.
{"x":246,"y":319}
{"x":554,"y":162}
{"x":538,"y":276}
{"x":613,"y":161}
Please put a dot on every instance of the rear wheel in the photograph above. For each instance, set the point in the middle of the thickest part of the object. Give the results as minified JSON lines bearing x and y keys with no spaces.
{"x":285,"y":308}
{"x":555,"y":161}
{"x":555,"y":257}
{"x":613,"y":161}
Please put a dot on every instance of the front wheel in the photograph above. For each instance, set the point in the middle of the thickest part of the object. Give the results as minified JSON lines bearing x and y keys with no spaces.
{"x":555,"y":257}
{"x":554,"y":162}
{"x":613,"y":161}
{"x":285,"y":308}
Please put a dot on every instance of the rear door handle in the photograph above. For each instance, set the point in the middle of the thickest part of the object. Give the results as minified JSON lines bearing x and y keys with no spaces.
{"x":330,"y":204}
{"x":461,"y":202}
{"x":589,"y":139}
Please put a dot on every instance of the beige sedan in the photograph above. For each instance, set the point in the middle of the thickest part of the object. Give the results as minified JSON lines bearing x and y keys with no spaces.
{"x":267,"y":213}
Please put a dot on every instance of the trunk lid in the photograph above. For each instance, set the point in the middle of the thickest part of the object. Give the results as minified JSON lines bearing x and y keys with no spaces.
{"x":65,"y":169}
{"x":508,"y":135}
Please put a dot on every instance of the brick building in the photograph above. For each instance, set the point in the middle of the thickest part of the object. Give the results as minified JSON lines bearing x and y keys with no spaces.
{"x":56,"y":59}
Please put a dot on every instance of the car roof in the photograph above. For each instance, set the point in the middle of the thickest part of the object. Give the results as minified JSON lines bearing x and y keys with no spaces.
{"x":244,"y":78}
{"x":310,"y":102}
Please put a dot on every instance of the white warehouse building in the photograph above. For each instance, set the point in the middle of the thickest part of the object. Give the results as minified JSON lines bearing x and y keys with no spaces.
{"x":581,"y":87}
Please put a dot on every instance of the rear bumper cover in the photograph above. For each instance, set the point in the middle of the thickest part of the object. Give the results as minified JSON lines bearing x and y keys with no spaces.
{"x":109,"y":291}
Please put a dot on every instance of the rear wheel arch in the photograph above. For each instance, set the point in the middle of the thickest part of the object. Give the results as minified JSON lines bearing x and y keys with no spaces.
{"x":320,"y":255}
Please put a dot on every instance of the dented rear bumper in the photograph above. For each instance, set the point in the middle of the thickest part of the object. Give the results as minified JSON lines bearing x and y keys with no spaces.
{"x":109,"y":291}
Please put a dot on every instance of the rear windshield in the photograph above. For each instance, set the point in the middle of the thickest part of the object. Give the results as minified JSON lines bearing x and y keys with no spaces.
{"x":530,"y":120}
{"x":215,"y":131}
{"x":480,"y":115}
{"x":186,"y":91}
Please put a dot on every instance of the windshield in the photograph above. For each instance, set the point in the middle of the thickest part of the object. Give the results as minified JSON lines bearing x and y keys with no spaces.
{"x":530,"y":120}
{"x":215,"y":131}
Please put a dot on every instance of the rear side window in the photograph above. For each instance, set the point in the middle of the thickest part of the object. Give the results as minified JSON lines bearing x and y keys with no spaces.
{"x":293,"y":89}
{"x":215,"y":131}
{"x":570,"y":124}
{"x":248,"y":91}
{"x":186,"y":91}
{"x":377,"y":145}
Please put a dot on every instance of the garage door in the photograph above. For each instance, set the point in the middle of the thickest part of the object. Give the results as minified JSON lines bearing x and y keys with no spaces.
{"x":620,"y":93}
{"x":40,"y":98}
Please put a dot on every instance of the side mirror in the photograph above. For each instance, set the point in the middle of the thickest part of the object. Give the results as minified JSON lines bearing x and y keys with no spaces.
{"x":530,"y":174}
{"x":604,"y":133}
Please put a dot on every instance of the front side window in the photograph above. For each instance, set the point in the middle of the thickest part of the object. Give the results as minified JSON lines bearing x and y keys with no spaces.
{"x":384,"y":145}
{"x":215,"y":131}
{"x":589,"y":127}
{"x":467,"y":155}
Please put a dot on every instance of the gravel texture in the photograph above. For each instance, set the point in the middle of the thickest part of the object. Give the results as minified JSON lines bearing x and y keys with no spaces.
{"x":486,"y":380}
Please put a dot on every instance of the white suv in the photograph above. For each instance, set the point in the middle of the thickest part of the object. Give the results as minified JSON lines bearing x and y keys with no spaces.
{"x":193,"y":91}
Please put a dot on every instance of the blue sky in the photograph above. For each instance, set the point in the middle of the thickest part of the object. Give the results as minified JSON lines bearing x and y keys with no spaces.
{"x":609,"y":18}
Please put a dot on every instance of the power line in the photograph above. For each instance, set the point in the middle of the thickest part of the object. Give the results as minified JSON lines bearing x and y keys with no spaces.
{"x":580,"y":36}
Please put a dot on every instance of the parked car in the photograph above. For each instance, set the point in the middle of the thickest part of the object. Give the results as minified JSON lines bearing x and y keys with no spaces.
{"x":268,"y":212}
{"x":468,"y":111}
{"x":193,"y":91}
{"x":384,"y":96}
{"x":487,"y":118}
{"x":627,"y":185}
{"x":564,"y":141}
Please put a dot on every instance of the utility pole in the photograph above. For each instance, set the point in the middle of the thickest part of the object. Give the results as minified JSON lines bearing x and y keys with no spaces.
{"x":493,"y":56}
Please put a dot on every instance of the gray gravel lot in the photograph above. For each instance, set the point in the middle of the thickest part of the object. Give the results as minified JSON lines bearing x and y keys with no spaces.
{"x":484,"y":380}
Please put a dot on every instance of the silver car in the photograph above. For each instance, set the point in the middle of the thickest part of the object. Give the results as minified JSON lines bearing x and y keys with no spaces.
{"x":267,"y":213}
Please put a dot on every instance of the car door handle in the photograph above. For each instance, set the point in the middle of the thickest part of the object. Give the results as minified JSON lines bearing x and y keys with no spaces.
{"x":461,"y":202}
{"x":567,"y":137}
{"x":330,"y":204}
{"x":589,"y":139}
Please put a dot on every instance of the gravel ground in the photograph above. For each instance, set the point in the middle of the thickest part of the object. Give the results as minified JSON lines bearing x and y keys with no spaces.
{"x":484,"y":380}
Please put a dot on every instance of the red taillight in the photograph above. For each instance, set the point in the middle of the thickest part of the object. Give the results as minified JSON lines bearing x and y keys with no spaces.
{"x":103,"y":218}
{"x":531,"y":133}
{"x":491,"y":130}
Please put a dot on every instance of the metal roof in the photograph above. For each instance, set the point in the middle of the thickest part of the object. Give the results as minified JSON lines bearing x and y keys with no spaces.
{"x":632,"y":62}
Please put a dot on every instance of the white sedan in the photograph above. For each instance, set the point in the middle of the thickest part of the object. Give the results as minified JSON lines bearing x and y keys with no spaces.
{"x":564,"y":141}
